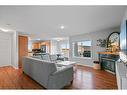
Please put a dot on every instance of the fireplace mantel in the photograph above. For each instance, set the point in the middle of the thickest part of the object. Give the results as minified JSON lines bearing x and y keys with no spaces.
{"x":111,"y":53}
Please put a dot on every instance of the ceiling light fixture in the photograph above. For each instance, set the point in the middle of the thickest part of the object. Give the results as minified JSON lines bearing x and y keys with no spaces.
{"x":62,"y":27}
{"x":4,"y":30}
{"x":58,"y":38}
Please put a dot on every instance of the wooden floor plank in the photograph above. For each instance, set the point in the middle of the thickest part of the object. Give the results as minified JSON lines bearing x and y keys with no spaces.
{"x":84,"y":78}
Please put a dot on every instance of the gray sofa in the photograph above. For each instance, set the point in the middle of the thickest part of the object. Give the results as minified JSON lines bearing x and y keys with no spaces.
{"x":47,"y":73}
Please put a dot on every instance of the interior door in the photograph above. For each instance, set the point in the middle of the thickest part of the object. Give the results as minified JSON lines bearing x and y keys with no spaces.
{"x":5,"y":52}
{"x":23,"y":48}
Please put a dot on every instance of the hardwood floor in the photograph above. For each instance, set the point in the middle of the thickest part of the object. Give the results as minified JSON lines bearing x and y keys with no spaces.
{"x":89,"y":78}
{"x":84,"y":78}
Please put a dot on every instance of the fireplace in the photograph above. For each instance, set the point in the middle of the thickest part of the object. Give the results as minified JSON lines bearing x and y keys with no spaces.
{"x":108,"y":60}
{"x":108,"y":64}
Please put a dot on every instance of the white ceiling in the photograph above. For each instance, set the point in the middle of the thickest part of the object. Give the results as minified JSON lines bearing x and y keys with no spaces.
{"x":44,"y":22}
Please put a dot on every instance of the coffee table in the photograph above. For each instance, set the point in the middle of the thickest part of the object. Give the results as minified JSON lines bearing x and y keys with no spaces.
{"x":68,"y":63}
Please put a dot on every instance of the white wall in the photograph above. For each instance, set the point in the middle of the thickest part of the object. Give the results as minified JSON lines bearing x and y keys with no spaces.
{"x":14,"y":54}
{"x":125,"y":16}
{"x":93,"y":36}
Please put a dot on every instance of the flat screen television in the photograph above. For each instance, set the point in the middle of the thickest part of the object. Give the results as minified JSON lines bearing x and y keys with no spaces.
{"x":123,"y":42}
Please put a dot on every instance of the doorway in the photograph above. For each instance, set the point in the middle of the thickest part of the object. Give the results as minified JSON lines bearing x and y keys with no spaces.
{"x":23,"y":48}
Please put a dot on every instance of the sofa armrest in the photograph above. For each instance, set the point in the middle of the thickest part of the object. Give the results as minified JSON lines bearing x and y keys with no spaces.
{"x":61,"y":78}
{"x":62,"y":70}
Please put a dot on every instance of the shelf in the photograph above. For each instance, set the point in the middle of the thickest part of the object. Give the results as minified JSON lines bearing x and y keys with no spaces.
{"x":111,"y":53}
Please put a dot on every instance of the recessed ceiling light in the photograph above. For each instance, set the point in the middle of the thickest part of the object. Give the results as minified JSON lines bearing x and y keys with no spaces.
{"x":58,"y":38}
{"x":62,"y":27}
{"x":4,"y":30}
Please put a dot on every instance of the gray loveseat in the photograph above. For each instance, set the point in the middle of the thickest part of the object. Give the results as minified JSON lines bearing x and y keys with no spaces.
{"x":47,"y":73}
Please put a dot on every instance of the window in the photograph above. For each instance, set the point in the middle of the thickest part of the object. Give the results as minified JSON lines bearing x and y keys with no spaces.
{"x":82,"y":49}
{"x":65,"y":49}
